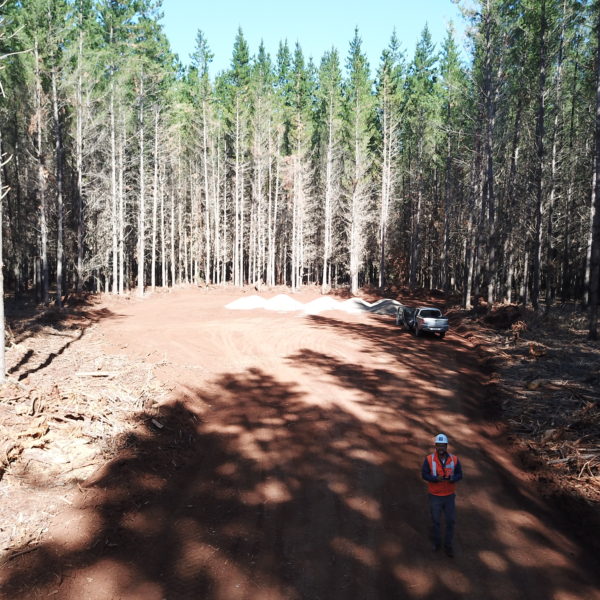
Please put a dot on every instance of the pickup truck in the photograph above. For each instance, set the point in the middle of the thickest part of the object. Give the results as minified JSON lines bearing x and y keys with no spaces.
{"x":421,"y":319}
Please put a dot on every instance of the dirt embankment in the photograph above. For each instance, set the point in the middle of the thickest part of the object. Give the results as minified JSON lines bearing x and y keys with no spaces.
{"x":260,"y":454}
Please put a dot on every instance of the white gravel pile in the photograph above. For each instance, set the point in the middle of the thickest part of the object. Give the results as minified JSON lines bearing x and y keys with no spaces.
{"x":322,"y":304}
{"x":284,"y":303}
{"x":247,"y":303}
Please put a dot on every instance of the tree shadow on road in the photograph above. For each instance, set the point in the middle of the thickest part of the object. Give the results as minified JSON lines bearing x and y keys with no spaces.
{"x":62,"y":326}
{"x":268,"y":494}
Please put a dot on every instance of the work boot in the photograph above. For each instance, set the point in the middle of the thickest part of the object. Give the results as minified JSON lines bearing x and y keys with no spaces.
{"x":435,"y":547}
{"x":449,"y":551}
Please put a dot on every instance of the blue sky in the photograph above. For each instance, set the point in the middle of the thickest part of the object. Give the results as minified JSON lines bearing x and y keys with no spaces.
{"x":316,"y":24}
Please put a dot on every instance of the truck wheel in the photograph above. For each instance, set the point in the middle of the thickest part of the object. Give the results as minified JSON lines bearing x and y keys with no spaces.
{"x":442,"y":334}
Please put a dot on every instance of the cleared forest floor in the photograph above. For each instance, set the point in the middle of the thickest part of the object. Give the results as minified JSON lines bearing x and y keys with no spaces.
{"x":171,"y":448}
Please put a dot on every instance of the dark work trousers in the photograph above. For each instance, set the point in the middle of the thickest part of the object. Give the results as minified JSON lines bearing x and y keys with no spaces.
{"x":437,"y":505}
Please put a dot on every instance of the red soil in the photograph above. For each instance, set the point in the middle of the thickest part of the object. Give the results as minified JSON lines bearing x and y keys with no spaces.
{"x":286,"y":465}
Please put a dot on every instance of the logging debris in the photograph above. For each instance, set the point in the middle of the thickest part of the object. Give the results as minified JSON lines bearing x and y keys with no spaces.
{"x":548,"y":376}
{"x":62,"y":414}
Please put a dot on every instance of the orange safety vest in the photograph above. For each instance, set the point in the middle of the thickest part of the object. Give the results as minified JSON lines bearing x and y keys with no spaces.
{"x":441,"y":488}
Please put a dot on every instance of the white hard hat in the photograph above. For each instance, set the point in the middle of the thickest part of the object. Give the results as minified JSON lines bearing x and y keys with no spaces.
{"x":440,"y":438}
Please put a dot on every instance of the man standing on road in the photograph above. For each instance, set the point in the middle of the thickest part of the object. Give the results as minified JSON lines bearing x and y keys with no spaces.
{"x":442,"y":470}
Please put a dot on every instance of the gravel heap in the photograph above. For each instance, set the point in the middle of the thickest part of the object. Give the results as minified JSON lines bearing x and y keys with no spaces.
{"x":284,"y":303}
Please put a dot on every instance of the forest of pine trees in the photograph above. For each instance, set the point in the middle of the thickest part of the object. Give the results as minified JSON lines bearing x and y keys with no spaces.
{"x":122,"y":170}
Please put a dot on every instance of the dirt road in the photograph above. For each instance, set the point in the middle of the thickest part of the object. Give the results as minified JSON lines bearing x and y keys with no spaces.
{"x":287,"y":466}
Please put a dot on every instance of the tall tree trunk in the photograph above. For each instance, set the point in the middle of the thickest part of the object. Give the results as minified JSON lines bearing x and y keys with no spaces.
{"x":415,"y":245}
{"x":490,"y":200}
{"x":594,"y":286}
{"x":510,"y":267}
{"x":163,"y":254}
{"x":447,"y":204}
{"x":183,"y":246}
{"x":116,"y":282}
{"x":242,"y":222}
{"x":207,"y":197}
{"x":173,"y":280}
{"x":180,"y":245}
{"x":119,"y":217}
{"x":551,"y":266}
{"x":59,"y":192}
{"x":275,"y":213}
{"x":296,"y":235}
{"x":225,"y":230}
{"x":510,"y":209}
{"x":539,"y":168}
{"x":566,"y":289}
{"x":154,"y":200}
{"x":142,"y":207}
{"x":328,"y":208}
{"x":79,"y":159}
{"x":566,"y":284}
{"x":525,"y":280}
{"x":3,"y":193}
{"x":359,"y":193}
{"x":386,"y":186}
{"x":195,"y":223}
{"x":237,"y":280}
{"x":488,"y":218}
{"x":41,"y":176}
{"x":270,"y":236}
{"x":471,"y":237}
{"x":216,"y":207}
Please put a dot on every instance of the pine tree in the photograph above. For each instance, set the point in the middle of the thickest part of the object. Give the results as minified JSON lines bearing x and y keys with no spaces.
{"x":151,"y":70}
{"x":422,"y":105}
{"x":116,"y":18}
{"x":300,"y":135}
{"x":389,"y":100}
{"x":262,"y":152}
{"x":329,"y":128}
{"x":237,"y":90}
{"x":201,"y":60}
{"x":453,"y":96}
{"x":359,"y":106}
{"x":82,"y":92}
{"x":594,"y":285}
{"x":38,"y":36}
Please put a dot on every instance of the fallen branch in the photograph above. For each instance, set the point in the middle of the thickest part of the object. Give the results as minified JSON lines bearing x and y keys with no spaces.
{"x":586,"y":465}
{"x":8,"y":559}
{"x":17,"y":383}
{"x":96,"y":374}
